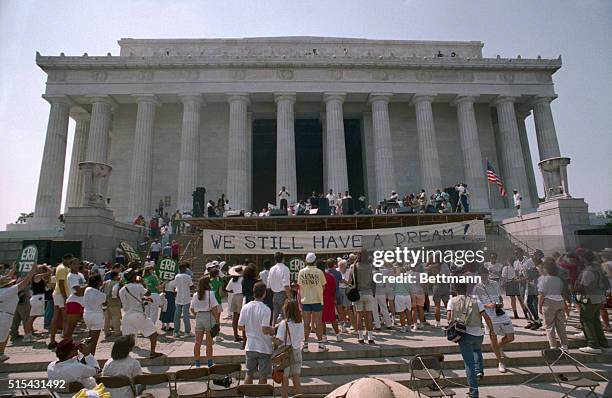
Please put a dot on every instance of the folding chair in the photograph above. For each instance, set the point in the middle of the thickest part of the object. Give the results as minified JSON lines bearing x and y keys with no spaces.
{"x":428,"y":367}
{"x":255,"y":390}
{"x":185,"y":383}
{"x":556,"y":356}
{"x":116,"y":382}
{"x":155,"y":379}
{"x":219,"y":372}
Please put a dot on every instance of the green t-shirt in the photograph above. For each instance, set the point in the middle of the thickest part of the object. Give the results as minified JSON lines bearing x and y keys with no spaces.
{"x":215,"y":285}
{"x":152,"y":281}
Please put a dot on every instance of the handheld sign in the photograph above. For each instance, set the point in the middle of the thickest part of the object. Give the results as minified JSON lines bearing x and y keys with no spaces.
{"x":167,"y":269}
{"x":129,"y":251}
{"x":295,"y":265}
{"x":27,"y":259}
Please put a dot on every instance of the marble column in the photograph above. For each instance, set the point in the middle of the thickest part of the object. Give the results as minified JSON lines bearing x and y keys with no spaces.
{"x":285,"y":146}
{"x":237,"y":146}
{"x":511,"y":151}
{"x":548,"y":145}
{"x":249,"y":155}
{"x":49,"y":196}
{"x":475,"y":176}
{"x":74,"y":193}
{"x":531,"y":181}
{"x":97,"y":143}
{"x":383,"y":150}
{"x":431,"y":178}
{"x":335,"y":149}
{"x":141,"y":180}
{"x":190,"y":151}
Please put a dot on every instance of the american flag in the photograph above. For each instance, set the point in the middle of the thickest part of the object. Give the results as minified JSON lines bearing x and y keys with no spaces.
{"x":492,"y":177}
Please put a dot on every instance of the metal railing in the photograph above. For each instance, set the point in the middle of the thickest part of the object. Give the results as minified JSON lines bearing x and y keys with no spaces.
{"x":503,"y":232}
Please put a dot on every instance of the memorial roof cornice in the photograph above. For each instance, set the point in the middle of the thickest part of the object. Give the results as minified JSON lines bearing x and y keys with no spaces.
{"x":186,"y":62}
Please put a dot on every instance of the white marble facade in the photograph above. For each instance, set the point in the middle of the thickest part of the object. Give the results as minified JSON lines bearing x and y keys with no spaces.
{"x":163,"y":114}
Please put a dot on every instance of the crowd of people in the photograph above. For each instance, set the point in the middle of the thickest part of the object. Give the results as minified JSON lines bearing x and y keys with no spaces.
{"x":270,"y":307}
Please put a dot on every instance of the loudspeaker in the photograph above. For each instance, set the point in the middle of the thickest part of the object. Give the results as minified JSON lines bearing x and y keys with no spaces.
{"x":403,"y":210}
{"x":233,"y":213}
{"x":324,"y":209}
{"x":199,"y":202}
{"x":278,"y":212}
{"x":347,"y":206}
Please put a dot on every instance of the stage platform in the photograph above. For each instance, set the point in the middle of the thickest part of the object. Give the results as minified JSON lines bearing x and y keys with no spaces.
{"x":330,"y":223}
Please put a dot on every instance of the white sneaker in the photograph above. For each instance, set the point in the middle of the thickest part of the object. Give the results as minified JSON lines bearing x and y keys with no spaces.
{"x":589,"y":350}
{"x":501,"y":367}
{"x":579,"y":335}
{"x":339,"y":338}
{"x":564,"y":348}
{"x":403,"y":329}
{"x":437,"y":324}
{"x":415,"y":328}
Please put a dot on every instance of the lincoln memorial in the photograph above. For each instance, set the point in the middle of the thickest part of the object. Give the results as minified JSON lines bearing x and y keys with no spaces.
{"x":243,"y":117}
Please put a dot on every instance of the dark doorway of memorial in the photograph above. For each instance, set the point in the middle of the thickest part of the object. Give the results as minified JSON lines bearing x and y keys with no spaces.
{"x":308,"y":157}
{"x":264,"y":163}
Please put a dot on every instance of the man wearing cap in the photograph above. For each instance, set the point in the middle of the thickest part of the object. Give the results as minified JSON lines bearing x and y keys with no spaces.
{"x":132,"y":298}
{"x":279,"y":281}
{"x":69,"y":369}
{"x":312,"y":282}
{"x":60,"y":294}
{"x":8,"y":303}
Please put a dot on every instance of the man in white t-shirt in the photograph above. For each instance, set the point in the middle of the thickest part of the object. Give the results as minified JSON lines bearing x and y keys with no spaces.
{"x":284,"y":197}
{"x":156,"y":248}
{"x":331,"y":198}
{"x":517,"y":201}
{"x":279,"y":281}
{"x":133,"y":301}
{"x":182,"y":284}
{"x":254,"y":321}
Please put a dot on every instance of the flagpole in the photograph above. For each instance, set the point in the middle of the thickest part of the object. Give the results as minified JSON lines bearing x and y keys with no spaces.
{"x":488,"y":185}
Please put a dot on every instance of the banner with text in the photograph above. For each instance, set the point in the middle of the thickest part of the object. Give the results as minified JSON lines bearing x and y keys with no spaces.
{"x":299,"y":242}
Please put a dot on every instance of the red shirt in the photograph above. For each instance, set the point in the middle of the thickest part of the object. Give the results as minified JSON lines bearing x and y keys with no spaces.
{"x":175,"y":249}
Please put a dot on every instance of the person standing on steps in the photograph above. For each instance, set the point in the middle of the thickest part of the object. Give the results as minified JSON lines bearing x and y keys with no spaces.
{"x":490,"y":296}
{"x":311,"y":281}
{"x":470,"y":311}
{"x":361,"y":278}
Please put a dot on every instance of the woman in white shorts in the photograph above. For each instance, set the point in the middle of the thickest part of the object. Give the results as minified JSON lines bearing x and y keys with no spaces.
{"x":235,"y":305}
{"x":403,"y":302}
{"x":206,"y":309}
{"x":93,"y":300}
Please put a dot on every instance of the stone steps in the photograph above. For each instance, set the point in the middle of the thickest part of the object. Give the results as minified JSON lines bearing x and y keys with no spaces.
{"x":347,"y":350}
{"x":325,"y":380}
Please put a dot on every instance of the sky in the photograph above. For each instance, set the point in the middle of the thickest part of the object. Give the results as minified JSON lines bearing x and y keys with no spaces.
{"x":580,"y":31}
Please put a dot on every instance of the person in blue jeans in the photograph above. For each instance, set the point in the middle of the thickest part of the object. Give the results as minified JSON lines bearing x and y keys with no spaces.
{"x":182,"y":300}
{"x":469,"y":311}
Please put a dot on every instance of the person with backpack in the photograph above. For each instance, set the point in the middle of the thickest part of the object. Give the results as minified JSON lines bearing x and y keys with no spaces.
{"x":112,"y":312}
{"x":469,"y":312}
{"x":531,"y":273}
{"x":592,"y":285}
{"x":291,"y":332}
